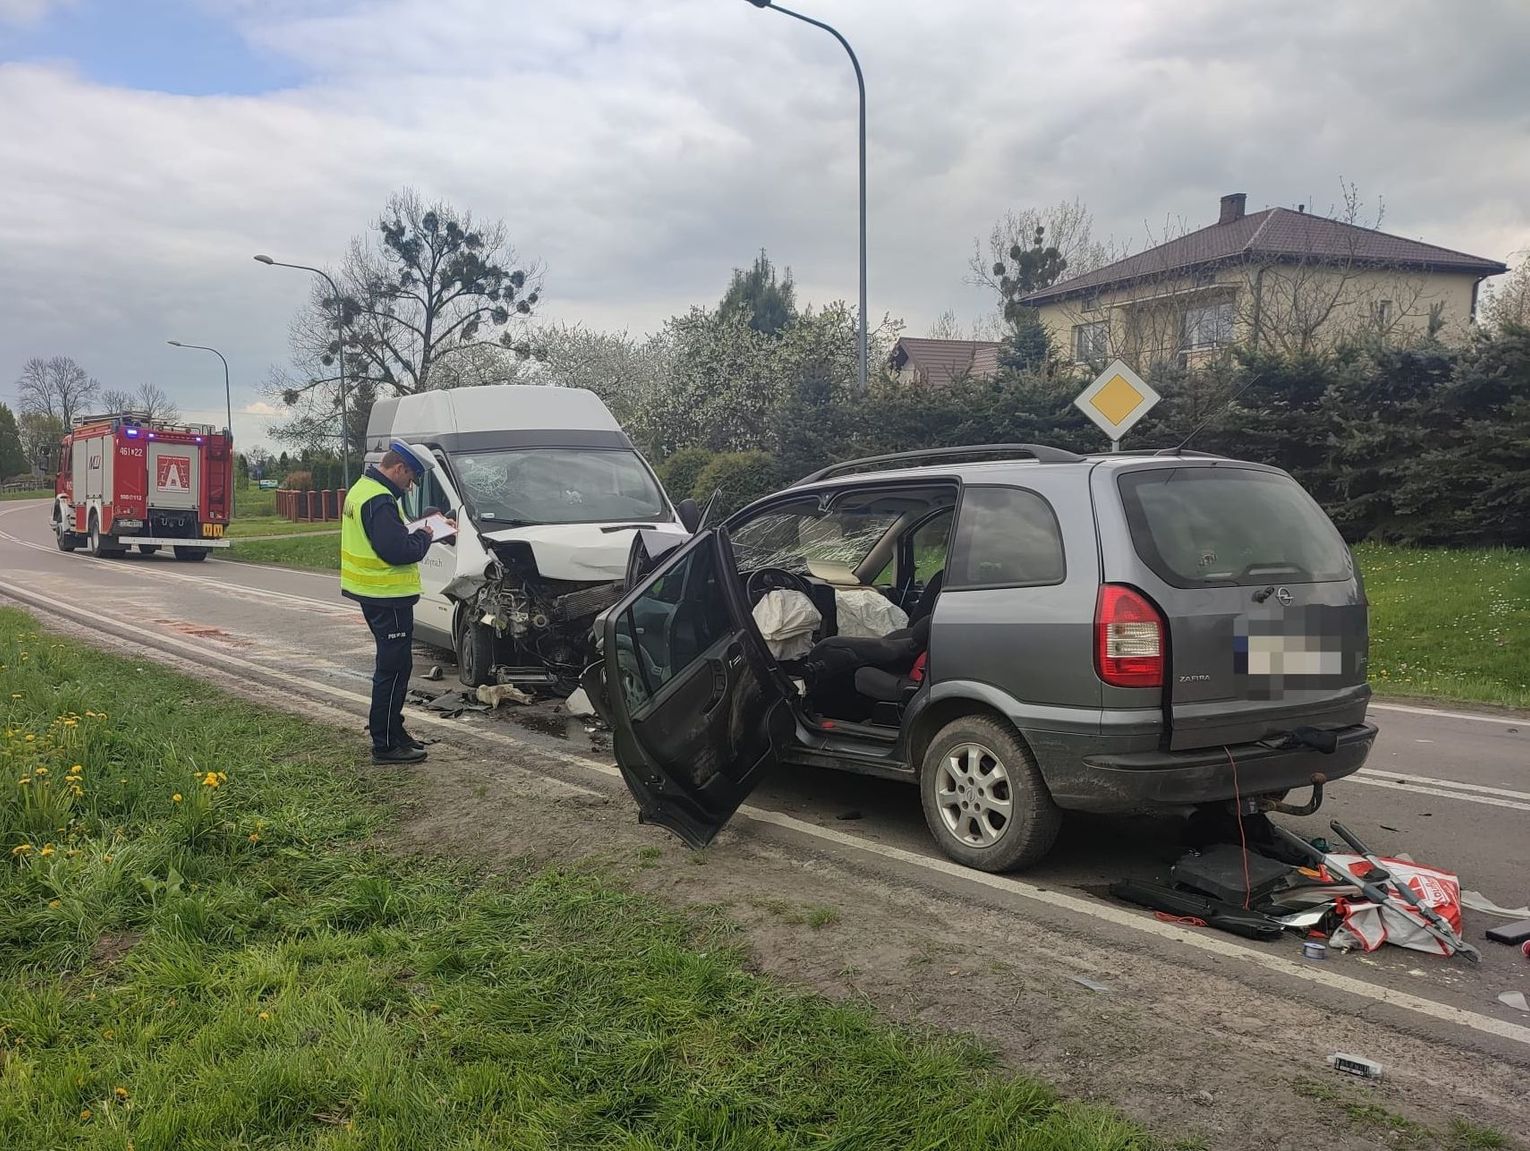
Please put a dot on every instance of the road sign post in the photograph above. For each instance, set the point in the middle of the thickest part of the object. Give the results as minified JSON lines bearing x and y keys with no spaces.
{"x":1117,"y":399}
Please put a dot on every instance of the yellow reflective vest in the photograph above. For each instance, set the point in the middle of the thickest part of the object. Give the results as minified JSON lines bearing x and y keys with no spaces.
{"x":362,"y":571}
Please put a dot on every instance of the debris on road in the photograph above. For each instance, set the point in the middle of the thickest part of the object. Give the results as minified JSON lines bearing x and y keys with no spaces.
{"x":1355,"y":1065}
{"x":1479,"y":902}
{"x":435,"y":674}
{"x":495,"y":694}
{"x":1510,"y":933}
{"x":449,"y":705}
{"x":1084,"y":981}
{"x":579,"y":703}
{"x":1515,"y":999}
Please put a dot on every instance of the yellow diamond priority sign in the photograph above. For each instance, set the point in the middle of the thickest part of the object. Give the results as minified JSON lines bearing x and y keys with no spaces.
{"x":1117,"y":399}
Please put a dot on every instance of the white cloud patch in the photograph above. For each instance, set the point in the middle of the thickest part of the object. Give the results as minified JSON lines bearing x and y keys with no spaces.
{"x":642,"y":151}
{"x":24,"y":12}
{"x":260,"y":408}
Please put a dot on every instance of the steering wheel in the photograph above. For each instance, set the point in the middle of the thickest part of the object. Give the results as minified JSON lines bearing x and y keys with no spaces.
{"x":763,"y":580}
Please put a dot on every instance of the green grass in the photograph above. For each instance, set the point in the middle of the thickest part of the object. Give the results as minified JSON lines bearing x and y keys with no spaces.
{"x":1449,"y":624}
{"x":318,"y":552}
{"x":238,"y":967}
{"x":41,"y":494}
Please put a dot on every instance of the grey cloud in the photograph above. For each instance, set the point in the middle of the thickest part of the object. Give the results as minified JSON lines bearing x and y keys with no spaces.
{"x":641,"y":151}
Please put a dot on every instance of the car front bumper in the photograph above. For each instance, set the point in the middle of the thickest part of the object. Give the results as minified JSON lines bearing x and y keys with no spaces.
{"x":1155,"y":780}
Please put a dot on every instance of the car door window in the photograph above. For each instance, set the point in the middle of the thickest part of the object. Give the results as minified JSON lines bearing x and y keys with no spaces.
{"x":1005,"y":537}
{"x":670,"y":626}
{"x":932,"y":540}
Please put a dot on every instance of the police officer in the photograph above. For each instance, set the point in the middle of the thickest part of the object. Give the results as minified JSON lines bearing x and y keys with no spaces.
{"x":379,"y":569}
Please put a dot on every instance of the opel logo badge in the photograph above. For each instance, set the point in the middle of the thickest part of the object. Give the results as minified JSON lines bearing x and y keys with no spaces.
{"x":1285,"y":597}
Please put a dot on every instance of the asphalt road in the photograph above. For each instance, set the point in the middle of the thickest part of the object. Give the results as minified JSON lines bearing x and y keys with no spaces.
{"x":1446,"y":787}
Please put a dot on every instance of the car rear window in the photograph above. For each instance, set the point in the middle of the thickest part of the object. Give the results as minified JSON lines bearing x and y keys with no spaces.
{"x":1215,"y":526}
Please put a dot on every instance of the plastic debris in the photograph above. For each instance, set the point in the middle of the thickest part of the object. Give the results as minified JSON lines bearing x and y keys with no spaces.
{"x":1089,"y":983}
{"x":434,"y":674}
{"x":1355,"y":1065}
{"x":495,"y":694}
{"x":579,"y":703}
{"x":1515,"y":999}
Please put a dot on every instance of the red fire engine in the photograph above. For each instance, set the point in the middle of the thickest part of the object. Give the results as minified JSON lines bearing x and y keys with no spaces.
{"x":128,"y":481}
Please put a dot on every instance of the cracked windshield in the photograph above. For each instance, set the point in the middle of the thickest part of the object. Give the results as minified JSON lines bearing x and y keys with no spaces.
{"x":803,"y":539}
{"x":545,"y":486}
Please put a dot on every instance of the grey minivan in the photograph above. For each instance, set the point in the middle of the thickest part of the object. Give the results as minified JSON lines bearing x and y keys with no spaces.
{"x":1110,"y":633}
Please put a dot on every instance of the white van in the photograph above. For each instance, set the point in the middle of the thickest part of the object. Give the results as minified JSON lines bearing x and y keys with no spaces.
{"x":549,"y":494}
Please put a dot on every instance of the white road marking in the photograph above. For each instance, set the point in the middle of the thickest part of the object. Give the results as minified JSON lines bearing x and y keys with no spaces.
{"x":1401,"y":777}
{"x":328,"y":607}
{"x":1309,"y":973}
{"x":1439,"y":793}
{"x":1432,"y":713}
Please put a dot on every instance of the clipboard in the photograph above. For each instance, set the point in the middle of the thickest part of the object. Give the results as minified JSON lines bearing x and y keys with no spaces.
{"x":436,"y":525}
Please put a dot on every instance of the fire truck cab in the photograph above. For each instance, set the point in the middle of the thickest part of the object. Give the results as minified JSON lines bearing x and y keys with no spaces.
{"x":128,"y":481}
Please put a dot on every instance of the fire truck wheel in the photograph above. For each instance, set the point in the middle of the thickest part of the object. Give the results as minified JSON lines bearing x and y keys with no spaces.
{"x":67,"y":541}
{"x":102,"y":546}
{"x":191,"y":555}
{"x":147,"y":549}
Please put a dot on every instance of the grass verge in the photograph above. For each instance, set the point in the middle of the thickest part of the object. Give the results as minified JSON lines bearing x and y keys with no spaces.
{"x":1449,"y":624}
{"x":42,"y":494}
{"x":315,"y":553}
{"x":198,"y":948}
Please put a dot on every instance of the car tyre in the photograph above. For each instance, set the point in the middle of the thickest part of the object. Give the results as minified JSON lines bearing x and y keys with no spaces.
{"x":191,"y":555}
{"x":983,"y":796}
{"x":102,"y":546}
{"x":475,"y":652}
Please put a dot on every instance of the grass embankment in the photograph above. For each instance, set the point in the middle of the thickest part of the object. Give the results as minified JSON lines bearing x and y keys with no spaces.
{"x":1450,"y":625}
{"x":255,"y":515}
{"x":40,"y":494}
{"x":198,"y":948}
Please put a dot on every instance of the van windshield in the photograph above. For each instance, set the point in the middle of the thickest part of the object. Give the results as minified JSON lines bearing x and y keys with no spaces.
{"x":1203,"y":527}
{"x":558,"y":486}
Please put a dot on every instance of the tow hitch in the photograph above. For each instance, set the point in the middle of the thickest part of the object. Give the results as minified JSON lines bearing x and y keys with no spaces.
{"x":1257,"y":804}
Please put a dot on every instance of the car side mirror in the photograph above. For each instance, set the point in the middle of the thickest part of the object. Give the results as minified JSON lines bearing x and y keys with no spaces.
{"x":690,"y":515}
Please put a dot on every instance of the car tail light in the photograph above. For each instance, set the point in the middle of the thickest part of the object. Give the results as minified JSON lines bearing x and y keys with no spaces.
{"x":1128,"y":638}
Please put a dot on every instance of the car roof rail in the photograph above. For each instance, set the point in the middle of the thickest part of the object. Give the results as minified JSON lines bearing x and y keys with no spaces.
{"x":1042,"y":453}
{"x":1188,"y":452}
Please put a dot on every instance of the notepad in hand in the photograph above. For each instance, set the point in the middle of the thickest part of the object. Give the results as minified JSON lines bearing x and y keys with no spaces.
{"x":436,"y":524}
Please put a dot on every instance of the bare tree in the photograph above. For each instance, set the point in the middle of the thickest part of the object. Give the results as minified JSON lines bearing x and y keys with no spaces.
{"x":431,"y":299}
{"x":153,"y":403}
{"x":1067,"y":225}
{"x":1508,"y":302}
{"x":117,"y":400}
{"x":57,"y":388}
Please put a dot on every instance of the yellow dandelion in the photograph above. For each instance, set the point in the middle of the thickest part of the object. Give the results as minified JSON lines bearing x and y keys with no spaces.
{"x":31,"y":738}
{"x":176,"y":798}
{"x":21,"y":849}
{"x":85,"y":1114}
{"x":254,"y":837}
{"x":77,"y":791}
{"x":47,"y":850}
{"x":24,"y":782}
{"x":39,"y":771}
{"x":264,"y":1015}
{"x":55,"y":903}
{"x":120,"y":1092}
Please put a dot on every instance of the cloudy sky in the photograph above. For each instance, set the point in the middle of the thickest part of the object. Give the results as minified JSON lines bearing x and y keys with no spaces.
{"x":640,"y":150}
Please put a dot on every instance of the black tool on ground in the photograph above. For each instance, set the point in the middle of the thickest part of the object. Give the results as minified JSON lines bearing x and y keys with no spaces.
{"x":1220,"y":872}
{"x":1511,"y":933}
{"x":1214,"y":912}
{"x":1378,"y":895}
{"x":1446,"y":932}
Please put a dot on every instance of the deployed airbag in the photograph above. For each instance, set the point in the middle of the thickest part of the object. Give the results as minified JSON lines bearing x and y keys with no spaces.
{"x":865,"y":613}
{"x":787,"y":621}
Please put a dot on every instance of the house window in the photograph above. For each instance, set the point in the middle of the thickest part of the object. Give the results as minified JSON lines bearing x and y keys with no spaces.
{"x":1383,"y":314}
{"x":1091,"y":342}
{"x":1208,"y":326}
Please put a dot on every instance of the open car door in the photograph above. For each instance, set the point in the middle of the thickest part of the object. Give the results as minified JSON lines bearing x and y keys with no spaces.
{"x":698,"y":712}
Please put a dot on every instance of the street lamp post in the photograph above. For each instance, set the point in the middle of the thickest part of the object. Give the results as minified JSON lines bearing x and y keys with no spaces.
{"x":345,"y":446}
{"x":860,"y":82}
{"x":228,"y":395}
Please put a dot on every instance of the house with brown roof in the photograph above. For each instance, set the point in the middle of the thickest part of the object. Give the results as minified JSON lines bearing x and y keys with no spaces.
{"x":1283,"y":280}
{"x":939,"y":363}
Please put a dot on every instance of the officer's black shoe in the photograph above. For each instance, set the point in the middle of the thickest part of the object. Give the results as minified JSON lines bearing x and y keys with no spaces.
{"x":398,"y":755}
{"x":407,"y":740}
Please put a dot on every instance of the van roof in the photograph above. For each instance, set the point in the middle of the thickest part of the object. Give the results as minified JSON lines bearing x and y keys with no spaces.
{"x":433,"y":416}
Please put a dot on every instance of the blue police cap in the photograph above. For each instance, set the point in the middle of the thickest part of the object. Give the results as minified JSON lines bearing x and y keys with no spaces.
{"x":408,"y":455}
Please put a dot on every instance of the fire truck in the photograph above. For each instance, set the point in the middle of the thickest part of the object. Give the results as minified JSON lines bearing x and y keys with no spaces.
{"x":128,"y":481}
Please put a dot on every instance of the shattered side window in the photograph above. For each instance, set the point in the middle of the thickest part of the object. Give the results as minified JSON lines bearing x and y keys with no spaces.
{"x":801,"y":534}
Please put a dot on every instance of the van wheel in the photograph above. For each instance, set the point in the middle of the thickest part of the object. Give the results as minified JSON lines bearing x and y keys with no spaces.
{"x":984,"y":799}
{"x":191,"y":555}
{"x":475,"y":652}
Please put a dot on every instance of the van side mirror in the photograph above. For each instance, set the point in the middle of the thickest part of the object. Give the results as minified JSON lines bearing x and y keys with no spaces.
{"x":690,"y":515}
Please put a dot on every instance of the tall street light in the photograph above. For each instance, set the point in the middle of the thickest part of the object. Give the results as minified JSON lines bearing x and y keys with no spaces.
{"x":228,"y":396}
{"x":860,"y":82}
{"x":345,"y":438}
